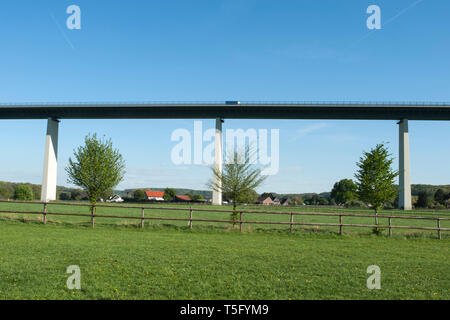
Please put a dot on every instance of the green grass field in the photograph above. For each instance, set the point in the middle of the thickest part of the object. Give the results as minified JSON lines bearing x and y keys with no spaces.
{"x":176,"y":263}
{"x":161,"y":261}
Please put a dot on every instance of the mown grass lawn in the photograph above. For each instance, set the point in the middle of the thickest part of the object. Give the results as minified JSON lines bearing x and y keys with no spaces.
{"x":157,"y":262}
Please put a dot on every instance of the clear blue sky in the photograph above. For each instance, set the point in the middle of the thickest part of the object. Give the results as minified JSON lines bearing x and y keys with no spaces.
{"x":226,"y":50}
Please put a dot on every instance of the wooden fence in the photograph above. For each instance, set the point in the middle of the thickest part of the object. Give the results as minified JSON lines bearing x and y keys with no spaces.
{"x":190,"y":219}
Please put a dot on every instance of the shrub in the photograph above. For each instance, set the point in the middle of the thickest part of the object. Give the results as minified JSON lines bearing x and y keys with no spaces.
{"x":377,"y":231}
{"x":196,"y":197}
{"x":296,"y":201}
{"x":355,"y":204}
{"x":23,"y":192}
{"x":439,"y":206}
{"x":390,"y":205}
{"x":447,"y":203}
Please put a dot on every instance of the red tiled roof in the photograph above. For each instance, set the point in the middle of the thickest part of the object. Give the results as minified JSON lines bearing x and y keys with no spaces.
{"x":154,"y":194}
{"x":186,"y":198}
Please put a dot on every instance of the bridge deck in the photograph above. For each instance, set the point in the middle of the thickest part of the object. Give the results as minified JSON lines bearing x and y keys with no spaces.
{"x":350,"y":111}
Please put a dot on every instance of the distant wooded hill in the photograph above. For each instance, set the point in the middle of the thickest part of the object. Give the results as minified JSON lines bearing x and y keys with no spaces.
{"x":7,"y":189}
{"x":429,"y":189}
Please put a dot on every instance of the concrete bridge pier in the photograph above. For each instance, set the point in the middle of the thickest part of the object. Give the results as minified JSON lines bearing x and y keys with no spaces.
{"x":48,"y":192}
{"x":404,"y":167}
{"x":217,"y":196}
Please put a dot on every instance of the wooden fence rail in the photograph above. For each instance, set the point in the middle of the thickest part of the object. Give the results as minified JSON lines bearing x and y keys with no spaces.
{"x":93,"y":214}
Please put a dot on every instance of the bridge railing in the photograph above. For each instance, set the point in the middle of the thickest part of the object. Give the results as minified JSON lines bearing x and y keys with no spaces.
{"x":241,"y":102}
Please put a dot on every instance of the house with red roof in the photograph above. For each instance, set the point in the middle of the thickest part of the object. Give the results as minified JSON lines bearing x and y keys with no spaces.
{"x":182,"y":199}
{"x":155,"y":195}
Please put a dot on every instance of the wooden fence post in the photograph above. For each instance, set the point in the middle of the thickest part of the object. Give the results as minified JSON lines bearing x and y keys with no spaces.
{"x":142,"y":220}
{"x":240,"y":221}
{"x":190,"y":217}
{"x":92,"y":216}
{"x":341,"y":227}
{"x":45,"y":213}
{"x":390,"y":228}
{"x":438,"y":221}
{"x":291,"y":226}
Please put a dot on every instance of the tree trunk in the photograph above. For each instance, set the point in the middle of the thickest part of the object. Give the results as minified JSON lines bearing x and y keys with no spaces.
{"x":92,"y":215}
{"x":234,"y":214}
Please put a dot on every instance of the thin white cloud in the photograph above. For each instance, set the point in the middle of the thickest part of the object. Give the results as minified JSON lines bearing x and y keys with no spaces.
{"x":403,"y":11}
{"x":61,"y":30}
{"x":302,"y":132}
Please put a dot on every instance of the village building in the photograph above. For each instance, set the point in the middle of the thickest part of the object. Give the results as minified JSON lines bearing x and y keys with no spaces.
{"x":116,"y":199}
{"x":182,"y":199}
{"x":155,"y":195}
{"x":266,"y":201}
{"x":276,"y":201}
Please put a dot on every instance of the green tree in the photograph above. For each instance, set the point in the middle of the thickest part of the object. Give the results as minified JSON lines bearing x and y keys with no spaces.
{"x":139,"y":195}
{"x":23,"y":192}
{"x":5,"y":194}
{"x":343,"y":191}
{"x":323,"y":202}
{"x":238,"y":178}
{"x":423,"y":201}
{"x":440,"y":196}
{"x":314,"y":199}
{"x":96,"y":168}
{"x":76,"y":194}
{"x":196,"y":197}
{"x":251,"y":196}
{"x":375,"y":178}
{"x":169,"y":194}
{"x":296,"y":201}
{"x":264,"y":195}
{"x":36,"y":191}
{"x":64,"y":196}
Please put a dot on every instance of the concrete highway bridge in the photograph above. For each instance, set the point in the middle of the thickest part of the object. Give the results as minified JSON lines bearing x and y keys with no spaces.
{"x":54,"y":113}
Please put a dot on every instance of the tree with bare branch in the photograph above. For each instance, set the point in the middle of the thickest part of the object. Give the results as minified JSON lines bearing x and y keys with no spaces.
{"x":238,"y":179}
